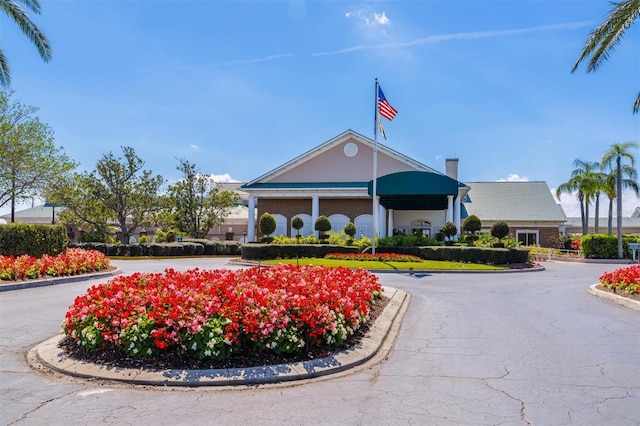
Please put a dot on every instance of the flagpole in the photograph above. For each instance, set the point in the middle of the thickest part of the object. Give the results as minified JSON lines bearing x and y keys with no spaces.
{"x":375,"y":171}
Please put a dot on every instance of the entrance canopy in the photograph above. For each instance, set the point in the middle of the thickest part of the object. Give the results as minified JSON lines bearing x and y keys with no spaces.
{"x":414,"y":190}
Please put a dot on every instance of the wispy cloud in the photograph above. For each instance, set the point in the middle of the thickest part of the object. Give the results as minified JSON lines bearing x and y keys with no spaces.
{"x":194,"y":146}
{"x":368,"y":18}
{"x":440,"y":38}
{"x":256,"y":60}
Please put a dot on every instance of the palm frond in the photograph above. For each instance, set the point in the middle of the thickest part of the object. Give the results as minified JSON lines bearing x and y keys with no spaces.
{"x":27,"y":26}
{"x":5,"y":74}
{"x":603,"y":40}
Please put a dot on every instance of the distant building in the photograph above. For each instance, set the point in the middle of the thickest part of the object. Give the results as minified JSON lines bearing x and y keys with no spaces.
{"x":528,"y":208}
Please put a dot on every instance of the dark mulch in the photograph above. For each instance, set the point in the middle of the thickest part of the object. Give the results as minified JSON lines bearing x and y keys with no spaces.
{"x":633,"y":296}
{"x":115,"y":358}
{"x":523,"y":265}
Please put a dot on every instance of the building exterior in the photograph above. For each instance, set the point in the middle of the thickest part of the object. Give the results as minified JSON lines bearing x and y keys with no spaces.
{"x":528,"y":208}
{"x":335,"y":179}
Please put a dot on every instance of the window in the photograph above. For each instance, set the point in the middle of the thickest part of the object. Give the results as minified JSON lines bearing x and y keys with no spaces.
{"x":338,"y":222}
{"x":527,"y":237}
{"x":364,"y":225}
{"x":307,"y":228}
{"x":281,"y":224}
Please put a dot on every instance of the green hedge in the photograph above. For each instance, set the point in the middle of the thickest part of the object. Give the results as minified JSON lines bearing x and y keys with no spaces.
{"x":605,"y":246}
{"x":291,"y":251}
{"x":496,"y":256}
{"x":186,"y":248}
{"x":17,"y":239}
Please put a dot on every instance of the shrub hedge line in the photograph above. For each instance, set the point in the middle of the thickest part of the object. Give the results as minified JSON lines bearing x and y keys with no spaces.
{"x":605,"y":246}
{"x":186,"y":248}
{"x":496,"y":256}
{"x":34,"y":240}
{"x":291,"y":251}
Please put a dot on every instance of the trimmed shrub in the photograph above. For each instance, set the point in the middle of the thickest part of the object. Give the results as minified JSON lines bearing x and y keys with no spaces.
{"x":297,"y":223}
{"x":292,"y":251}
{"x":500,"y":229}
{"x":472,"y":224}
{"x":449,"y":230}
{"x":322,"y":225}
{"x":267,"y":224}
{"x":17,"y":239}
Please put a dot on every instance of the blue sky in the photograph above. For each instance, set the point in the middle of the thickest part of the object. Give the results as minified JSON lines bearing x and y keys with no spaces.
{"x":241,"y":87}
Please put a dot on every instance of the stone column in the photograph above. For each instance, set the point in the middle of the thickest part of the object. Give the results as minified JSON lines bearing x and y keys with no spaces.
{"x":315,"y":211}
{"x":449,"y":217}
{"x":251,"y":223}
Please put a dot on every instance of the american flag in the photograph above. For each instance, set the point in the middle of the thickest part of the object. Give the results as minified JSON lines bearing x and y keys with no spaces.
{"x":385,"y":109}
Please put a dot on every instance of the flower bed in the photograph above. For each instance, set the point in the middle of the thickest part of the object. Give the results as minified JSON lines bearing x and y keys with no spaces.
{"x":624,"y":279}
{"x":380,"y":257}
{"x":211,"y":314}
{"x":71,"y":262}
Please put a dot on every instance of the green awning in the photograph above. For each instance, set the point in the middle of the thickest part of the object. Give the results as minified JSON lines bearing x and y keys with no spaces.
{"x":414,"y":190}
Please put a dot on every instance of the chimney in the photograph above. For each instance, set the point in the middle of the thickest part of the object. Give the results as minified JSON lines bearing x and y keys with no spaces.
{"x":451,"y":168}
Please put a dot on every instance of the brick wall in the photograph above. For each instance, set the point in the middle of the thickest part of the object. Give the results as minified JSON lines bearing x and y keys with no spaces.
{"x":289,"y":207}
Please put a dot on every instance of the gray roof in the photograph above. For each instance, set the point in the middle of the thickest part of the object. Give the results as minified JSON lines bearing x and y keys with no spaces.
{"x":627,"y":222}
{"x":37,"y":214}
{"x":513,"y":201}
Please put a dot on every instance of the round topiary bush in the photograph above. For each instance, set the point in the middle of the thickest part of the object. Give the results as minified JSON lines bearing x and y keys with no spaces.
{"x":322,"y":225}
{"x":449,"y":230}
{"x":472,"y":224}
{"x":500,"y":229}
{"x":267,"y":224}
{"x":297,"y":223}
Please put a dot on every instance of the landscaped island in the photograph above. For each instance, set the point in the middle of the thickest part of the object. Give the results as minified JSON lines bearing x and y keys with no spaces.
{"x":208,"y":317}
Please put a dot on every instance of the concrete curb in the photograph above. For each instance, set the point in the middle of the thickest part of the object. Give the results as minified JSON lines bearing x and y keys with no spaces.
{"x":43,"y":282}
{"x":624,"y":301}
{"x":373,"y":348}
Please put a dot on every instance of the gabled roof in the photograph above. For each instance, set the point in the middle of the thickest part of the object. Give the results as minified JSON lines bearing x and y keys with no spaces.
{"x":513,"y":201}
{"x":263,"y":181}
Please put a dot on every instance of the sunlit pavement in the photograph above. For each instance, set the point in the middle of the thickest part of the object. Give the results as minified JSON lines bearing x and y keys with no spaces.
{"x":522,"y":348}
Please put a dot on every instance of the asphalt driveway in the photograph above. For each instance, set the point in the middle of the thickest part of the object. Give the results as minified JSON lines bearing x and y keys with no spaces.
{"x":474,"y":349}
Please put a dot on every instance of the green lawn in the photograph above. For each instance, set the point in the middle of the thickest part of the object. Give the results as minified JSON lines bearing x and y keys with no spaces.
{"x":431,"y":265}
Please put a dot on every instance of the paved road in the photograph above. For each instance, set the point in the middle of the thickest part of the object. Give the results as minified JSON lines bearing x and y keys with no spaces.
{"x":481,"y":349}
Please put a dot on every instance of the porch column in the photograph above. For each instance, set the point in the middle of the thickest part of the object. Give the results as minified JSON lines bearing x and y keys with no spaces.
{"x":390,"y":223}
{"x":315,"y":211}
{"x":456,"y":216}
{"x":449,"y":217}
{"x":381,"y":221}
{"x":251,"y":223}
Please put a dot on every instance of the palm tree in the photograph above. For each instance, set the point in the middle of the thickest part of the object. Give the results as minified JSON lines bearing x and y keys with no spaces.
{"x":37,"y":37}
{"x":583,"y":182}
{"x":618,"y":153}
{"x":603,"y":40}
{"x":629,"y":181}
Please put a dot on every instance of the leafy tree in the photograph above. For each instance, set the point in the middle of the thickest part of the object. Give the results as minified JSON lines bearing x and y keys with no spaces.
{"x":472,"y":224}
{"x":618,"y":153}
{"x":500,"y":229}
{"x":603,"y":40}
{"x":449,"y":230}
{"x":322,"y":225}
{"x":12,"y":9}
{"x":29,"y":157}
{"x":118,"y":189}
{"x":297,"y":223}
{"x":267,"y":224}
{"x":197,"y":202}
